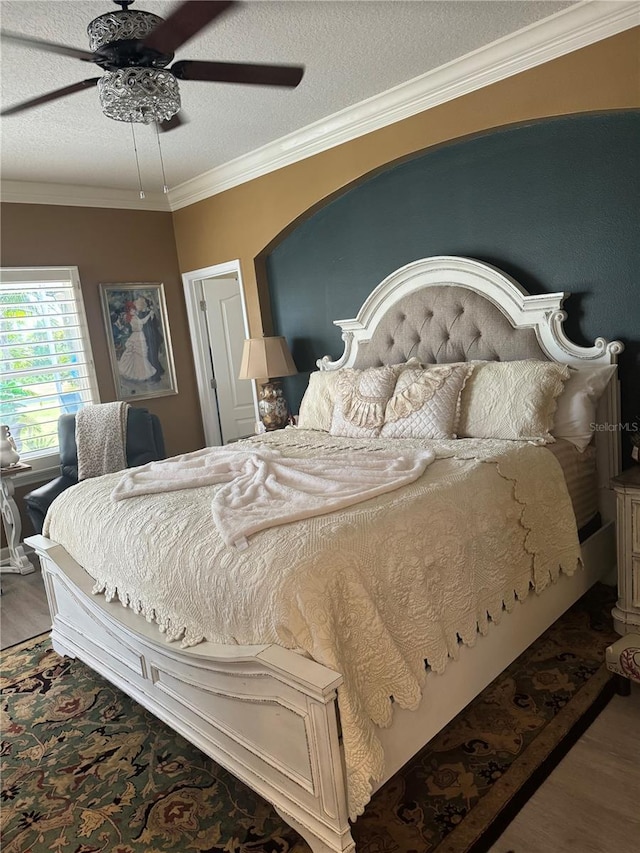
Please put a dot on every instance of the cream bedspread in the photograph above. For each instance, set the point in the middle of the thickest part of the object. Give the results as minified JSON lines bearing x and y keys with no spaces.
{"x":372,"y":591}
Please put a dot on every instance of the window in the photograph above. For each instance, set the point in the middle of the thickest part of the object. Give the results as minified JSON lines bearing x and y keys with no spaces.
{"x":46,"y":364}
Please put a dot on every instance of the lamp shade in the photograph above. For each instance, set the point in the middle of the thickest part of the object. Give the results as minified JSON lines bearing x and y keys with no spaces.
{"x":266,"y":358}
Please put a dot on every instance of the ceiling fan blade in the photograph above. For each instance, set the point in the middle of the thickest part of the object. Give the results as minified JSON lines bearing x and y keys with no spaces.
{"x":50,"y":96}
{"x":171,"y":124}
{"x":238,"y":72}
{"x":51,"y":47}
{"x":188,"y":19}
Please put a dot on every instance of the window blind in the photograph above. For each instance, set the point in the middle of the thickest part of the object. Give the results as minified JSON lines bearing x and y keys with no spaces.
{"x":46,"y":364}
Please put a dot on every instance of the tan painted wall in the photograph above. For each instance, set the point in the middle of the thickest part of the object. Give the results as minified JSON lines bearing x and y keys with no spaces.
{"x":242,"y":221}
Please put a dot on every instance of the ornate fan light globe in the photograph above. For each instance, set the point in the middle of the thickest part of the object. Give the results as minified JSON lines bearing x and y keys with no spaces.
{"x":139,"y":94}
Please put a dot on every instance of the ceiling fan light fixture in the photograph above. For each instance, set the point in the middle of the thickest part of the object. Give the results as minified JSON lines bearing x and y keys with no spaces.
{"x":140,"y":95}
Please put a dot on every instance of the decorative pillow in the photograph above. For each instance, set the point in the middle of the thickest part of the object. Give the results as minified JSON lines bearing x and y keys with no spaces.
{"x":576,"y":411}
{"x":361,"y":399}
{"x":316,"y":406}
{"x":424,"y":403}
{"x":511,"y":399}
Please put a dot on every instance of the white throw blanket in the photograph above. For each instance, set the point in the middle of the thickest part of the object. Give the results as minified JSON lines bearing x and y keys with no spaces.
{"x":262,"y":488}
{"x":101,"y":434}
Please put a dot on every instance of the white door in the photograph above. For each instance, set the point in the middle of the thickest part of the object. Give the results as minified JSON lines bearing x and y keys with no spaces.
{"x":224,"y":314}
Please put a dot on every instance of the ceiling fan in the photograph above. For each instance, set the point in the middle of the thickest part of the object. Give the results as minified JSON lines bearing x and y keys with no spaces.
{"x":134,"y":49}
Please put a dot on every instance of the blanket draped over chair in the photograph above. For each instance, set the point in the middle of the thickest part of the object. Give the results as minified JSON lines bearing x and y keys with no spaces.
{"x":101,"y":432}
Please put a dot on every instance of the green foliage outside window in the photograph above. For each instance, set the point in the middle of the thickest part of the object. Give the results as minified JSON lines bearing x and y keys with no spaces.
{"x":39,"y":369}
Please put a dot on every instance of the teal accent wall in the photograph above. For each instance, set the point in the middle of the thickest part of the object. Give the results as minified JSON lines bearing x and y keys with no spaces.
{"x":554,"y":203}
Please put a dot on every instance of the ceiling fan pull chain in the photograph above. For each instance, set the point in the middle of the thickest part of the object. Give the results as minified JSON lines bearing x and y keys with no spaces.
{"x":135,"y":148}
{"x":165,"y":188}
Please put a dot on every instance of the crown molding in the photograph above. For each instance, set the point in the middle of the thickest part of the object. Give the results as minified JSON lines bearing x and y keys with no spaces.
{"x":28,"y":192}
{"x":568,"y":30}
{"x":562,"y":33}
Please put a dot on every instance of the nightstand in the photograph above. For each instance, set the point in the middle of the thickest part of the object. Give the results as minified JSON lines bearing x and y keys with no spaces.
{"x":626,"y":613}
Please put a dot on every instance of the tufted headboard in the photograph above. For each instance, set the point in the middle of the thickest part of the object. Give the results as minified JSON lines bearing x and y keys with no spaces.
{"x":446,"y":323}
{"x":447,"y":309}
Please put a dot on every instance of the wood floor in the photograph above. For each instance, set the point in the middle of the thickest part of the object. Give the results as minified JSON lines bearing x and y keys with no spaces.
{"x":23,"y":608}
{"x":589,"y":804}
{"x":591,"y":801}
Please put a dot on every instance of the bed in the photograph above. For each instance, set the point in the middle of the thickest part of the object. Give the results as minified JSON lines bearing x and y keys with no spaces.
{"x":268,"y":711}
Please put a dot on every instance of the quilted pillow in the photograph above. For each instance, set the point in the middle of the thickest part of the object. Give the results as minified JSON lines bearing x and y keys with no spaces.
{"x":577,"y":404}
{"x":360,"y":402}
{"x":424,"y":403}
{"x":511,"y":400}
{"x":316,"y":406}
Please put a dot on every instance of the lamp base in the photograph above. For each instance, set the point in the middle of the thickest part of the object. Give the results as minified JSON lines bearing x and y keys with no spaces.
{"x":273,"y":408}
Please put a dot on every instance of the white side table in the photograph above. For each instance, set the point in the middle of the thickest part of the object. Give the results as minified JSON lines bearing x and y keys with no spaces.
{"x":17,"y":561}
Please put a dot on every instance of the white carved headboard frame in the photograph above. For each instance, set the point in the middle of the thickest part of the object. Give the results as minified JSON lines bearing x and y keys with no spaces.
{"x":446,"y":308}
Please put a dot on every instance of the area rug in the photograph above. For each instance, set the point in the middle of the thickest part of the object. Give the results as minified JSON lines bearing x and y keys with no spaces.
{"x":85,"y":769}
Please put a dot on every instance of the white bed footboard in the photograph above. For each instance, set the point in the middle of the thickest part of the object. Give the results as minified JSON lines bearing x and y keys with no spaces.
{"x":266,"y":714}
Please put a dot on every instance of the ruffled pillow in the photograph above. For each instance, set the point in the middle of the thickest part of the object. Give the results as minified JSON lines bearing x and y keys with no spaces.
{"x":316,"y":407}
{"x":424,"y":403}
{"x":511,"y":400}
{"x":361,"y":400}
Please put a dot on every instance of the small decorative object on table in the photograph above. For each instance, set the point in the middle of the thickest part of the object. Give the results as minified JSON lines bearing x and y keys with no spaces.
{"x":8,"y":451}
{"x":268,"y":358}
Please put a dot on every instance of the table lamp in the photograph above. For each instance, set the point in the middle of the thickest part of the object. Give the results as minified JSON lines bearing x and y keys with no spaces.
{"x":268,"y":358}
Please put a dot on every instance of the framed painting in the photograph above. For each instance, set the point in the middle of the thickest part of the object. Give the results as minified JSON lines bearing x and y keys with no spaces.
{"x":138,"y":338}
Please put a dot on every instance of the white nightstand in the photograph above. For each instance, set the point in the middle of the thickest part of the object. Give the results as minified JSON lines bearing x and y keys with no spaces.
{"x":626,"y":613}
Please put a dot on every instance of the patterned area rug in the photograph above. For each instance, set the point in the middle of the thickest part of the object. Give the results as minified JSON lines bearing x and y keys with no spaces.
{"x":85,"y":769}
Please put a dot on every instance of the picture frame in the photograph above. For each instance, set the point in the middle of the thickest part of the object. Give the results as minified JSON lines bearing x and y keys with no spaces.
{"x":138,"y":340}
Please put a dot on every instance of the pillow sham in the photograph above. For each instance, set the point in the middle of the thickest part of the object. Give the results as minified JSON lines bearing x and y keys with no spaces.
{"x":511,"y":400}
{"x":424,"y":403}
{"x":316,"y":406}
{"x":360,"y":401}
{"x":576,"y":411}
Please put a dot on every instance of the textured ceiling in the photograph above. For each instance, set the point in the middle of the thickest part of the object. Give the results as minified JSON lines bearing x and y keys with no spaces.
{"x":351,"y":51}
